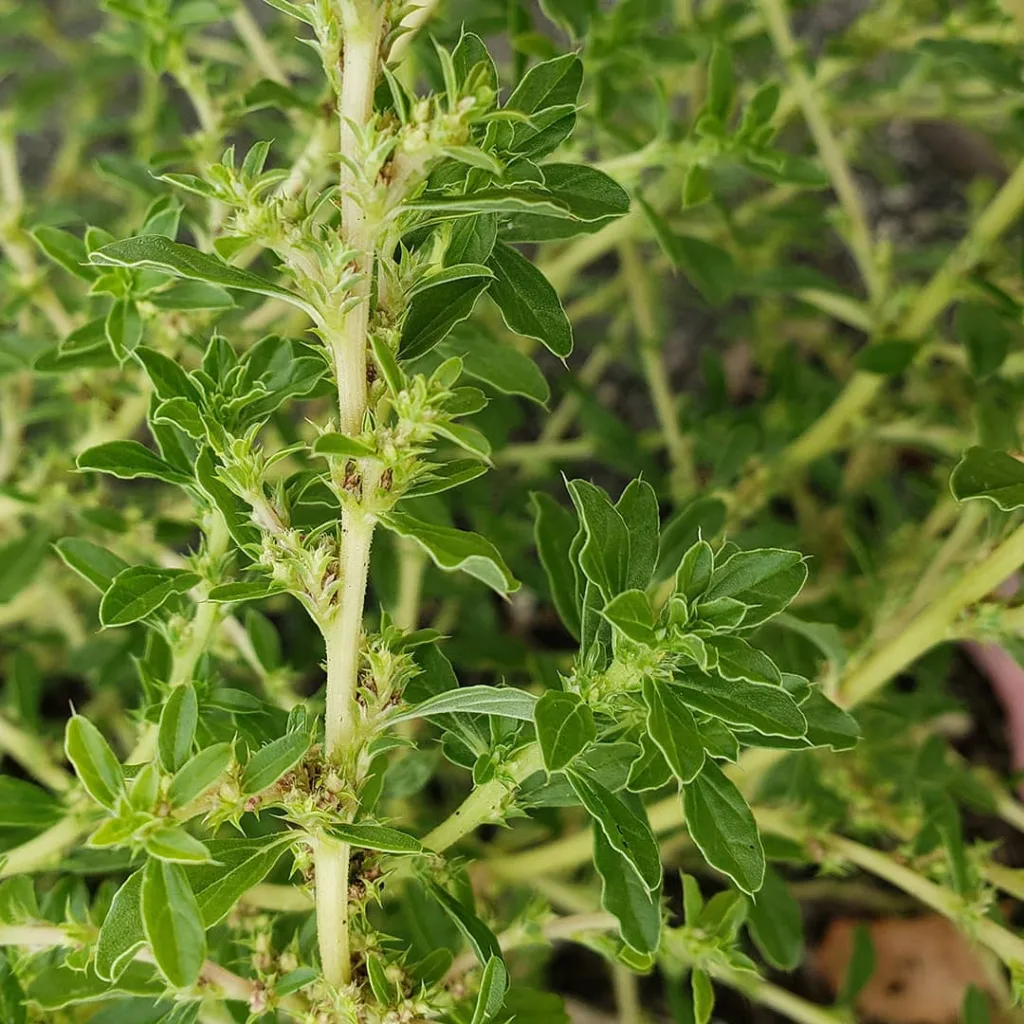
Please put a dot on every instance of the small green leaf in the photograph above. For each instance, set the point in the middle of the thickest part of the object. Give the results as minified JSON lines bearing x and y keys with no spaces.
{"x":503,"y":367}
{"x":721,"y":90}
{"x":624,"y":895}
{"x":975,"y":1010}
{"x":827,"y":724}
{"x":860,"y":968}
{"x":775,"y":923}
{"x":766,"y":580}
{"x":140,"y":590}
{"x":553,"y":531}
{"x":493,"y":984}
{"x":177,"y":727}
{"x":989,"y":474}
{"x":270,"y":762}
{"x":436,"y":479}
{"x":176,"y":846}
{"x":20,"y":560}
{"x":503,"y":701}
{"x":92,"y":562}
{"x":172,"y":923}
{"x":604,"y":555}
{"x":723,"y":827}
{"x":650,"y":770}
{"x":370,"y":836}
{"x":768,"y":709}
{"x":121,"y":934}
{"x":243,"y":590}
{"x":342,"y":446}
{"x":129,"y":460}
{"x":198,"y":774}
{"x":887,"y":357}
{"x":238,"y":865}
{"x":736,"y":660}
{"x":670,"y":724}
{"x":627,"y":832}
{"x":703,"y":996}
{"x":630,"y":613}
{"x":433,"y":314}
{"x":94,"y":762}
{"x":452,"y":549}
{"x":986,"y":333}
{"x":383,"y":987}
{"x":565,"y":727}
{"x":694,"y":573}
{"x":529,"y":304}
{"x":479,"y":936}
{"x":65,"y":249}
{"x":552,"y":83}
{"x":155,"y":252}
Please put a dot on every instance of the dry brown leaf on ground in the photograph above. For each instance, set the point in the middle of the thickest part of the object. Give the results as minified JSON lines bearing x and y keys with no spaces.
{"x":923,"y":967}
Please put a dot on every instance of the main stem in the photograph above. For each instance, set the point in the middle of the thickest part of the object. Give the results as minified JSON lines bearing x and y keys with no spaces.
{"x":343,"y":632}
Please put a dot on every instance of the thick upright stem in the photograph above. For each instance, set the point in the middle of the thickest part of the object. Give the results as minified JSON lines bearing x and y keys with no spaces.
{"x":362,"y":25}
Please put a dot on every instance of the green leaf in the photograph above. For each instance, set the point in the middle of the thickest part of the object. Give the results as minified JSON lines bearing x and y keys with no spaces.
{"x":121,"y":934}
{"x":827,"y":724}
{"x":155,"y":252}
{"x":192,"y":296}
{"x":765,"y":580}
{"x":433,"y":314}
{"x":529,"y":304}
{"x":738,"y":660}
{"x":502,"y":701}
{"x":94,"y":762}
{"x":490,"y":200}
{"x":775,"y":923}
{"x":553,"y":532}
{"x":371,"y":836}
{"x":986,"y":333}
{"x":627,"y":832}
{"x":670,"y":724}
{"x":491,"y":996}
{"x":604,"y":556}
{"x":172,"y":923}
{"x":270,"y":762}
{"x":129,"y":460}
{"x":694,"y":573}
{"x":343,"y":446}
{"x":503,"y":367}
{"x":479,"y":936}
{"x":140,"y":590}
{"x":123,"y":328}
{"x":451,"y":272}
{"x":721,"y":90}
{"x":565,"y":727}
{"x":383,"y":987}
{"x":625,"y":896}
{"x":887,"y":357}
{"x":860,"y":967}
{"x":178,"y":722}
{"x":65,"y":249}
{"x":723,"y":827}
{"x":975,"y":1010}
{"x":198,"y":774}
{"x":650,"y":770}
{"x":638,"y":507}
{"x":552,"y":83}
{"x":23,"y":805}
{"x":238,"y":865}
{"x":768,"y":709}
{"x":92,"y":562}
{"x":243,"y":590}
{"x":630,"y":613}
{"x":443,"y":477}
{"x":703,"y":996}
{"x":992,"y":475}
{"x":174,"y":844}
{"x":61,"y":986}
{"x":20,"y":560}
{"x":452,"y":549}
{"x":591,"y":196}
{"x":710,"y":269}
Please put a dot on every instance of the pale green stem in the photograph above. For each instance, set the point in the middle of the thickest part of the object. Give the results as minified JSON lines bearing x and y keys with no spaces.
{"x":251,"y":34}
{"x":861,"y":389}
{"x":33,"y":756}
{"x":861,"y":244}
{"x":487,"y":803}
{"x":553,"y":451}
{"x":282,"y":898}
{"x":47,"y":849}
{"x":343,"y":632}
{"x":627,"y":995}
{"x":682,"y":477}
{"x":412,"y":565}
